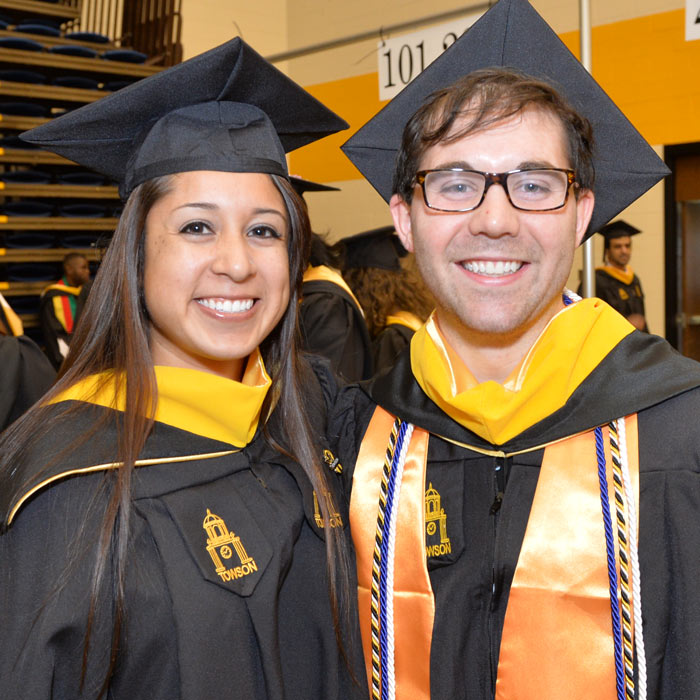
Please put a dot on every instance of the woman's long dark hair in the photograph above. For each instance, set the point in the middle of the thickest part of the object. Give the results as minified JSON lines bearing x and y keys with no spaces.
{"x":113,"y":337}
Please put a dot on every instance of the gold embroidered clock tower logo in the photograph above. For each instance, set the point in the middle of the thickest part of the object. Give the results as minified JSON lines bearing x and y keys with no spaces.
{"x":223,"y":546}
{"x":437,"y":543}
{"x":335,"y":518}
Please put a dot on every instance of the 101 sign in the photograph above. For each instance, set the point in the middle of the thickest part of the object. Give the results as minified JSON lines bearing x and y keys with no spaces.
{"x":402,"y":58}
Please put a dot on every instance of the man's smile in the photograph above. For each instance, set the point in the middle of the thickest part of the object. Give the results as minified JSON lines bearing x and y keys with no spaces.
{"x":492,"y":268}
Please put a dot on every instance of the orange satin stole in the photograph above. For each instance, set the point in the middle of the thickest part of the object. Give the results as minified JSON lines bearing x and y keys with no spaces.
{"x":414,"y":605}
{"x":557,"y":636}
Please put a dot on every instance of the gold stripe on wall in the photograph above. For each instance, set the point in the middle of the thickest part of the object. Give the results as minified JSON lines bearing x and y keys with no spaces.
{"x":650,"y":70}
{"x":356,"y":100}
{"x":644,"y":64}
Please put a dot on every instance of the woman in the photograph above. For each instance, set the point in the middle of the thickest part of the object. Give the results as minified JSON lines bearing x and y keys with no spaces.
{"x":187,"y":542}
{"x":392,"y":293}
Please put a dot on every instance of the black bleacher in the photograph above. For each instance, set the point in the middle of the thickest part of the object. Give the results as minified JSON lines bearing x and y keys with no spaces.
{"x":49,"y":198}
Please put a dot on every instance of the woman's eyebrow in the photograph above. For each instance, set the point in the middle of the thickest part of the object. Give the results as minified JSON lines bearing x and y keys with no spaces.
{"x":198,"y":205}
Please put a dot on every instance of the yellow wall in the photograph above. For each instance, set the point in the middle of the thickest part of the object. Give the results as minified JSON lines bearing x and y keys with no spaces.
{"x":208,"y":23}
{"x":640,"y":57}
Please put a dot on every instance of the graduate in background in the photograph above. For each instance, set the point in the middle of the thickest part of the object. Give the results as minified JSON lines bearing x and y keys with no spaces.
{"x":331,"y":318}
{"x":615,"y":282}
{"x":188,"y":540}
{"x":393,"y":296}
{"x":61,"y":306}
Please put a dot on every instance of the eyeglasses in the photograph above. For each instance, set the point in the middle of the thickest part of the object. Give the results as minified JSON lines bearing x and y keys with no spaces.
{"x":455,"y":189}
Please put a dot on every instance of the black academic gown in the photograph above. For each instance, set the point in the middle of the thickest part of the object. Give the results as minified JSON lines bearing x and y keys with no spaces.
{"x":52,"y":328}
{"x":487,"y":502}
{"x":258,"y":628}
{"x":389,"y":343}
{"x":626,"y":299}
{"x":25,"y":376}
{"x":332,"y":326}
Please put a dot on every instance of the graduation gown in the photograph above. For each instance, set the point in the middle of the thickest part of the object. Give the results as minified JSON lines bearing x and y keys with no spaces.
{"x":623,"y":294}
{"x":226,"y":594}
{"x":26,"y":377}
{"x":485,"y":502}
{"x":333,"y":326}
{"x":393,"y":338}
{"x":58,"y":311}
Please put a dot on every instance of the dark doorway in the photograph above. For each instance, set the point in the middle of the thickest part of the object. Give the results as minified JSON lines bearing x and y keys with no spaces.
{"x":683,"y":248}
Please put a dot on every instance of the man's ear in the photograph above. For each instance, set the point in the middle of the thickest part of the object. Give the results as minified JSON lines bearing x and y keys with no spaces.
{"x":401,"y":213}
{"x":584,"y":210}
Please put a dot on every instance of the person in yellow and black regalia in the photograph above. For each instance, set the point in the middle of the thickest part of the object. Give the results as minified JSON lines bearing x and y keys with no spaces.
{"x":188,"y":540}
{"x":393,"y":297}
{"x":526,"y":482}
{"x":616,"y":282}
{"x":61,"y":305}
{"x":331,"y":318}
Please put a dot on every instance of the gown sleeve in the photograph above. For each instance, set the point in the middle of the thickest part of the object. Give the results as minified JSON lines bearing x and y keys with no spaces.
{"x":333,"y":328}
{"x":669,"y":532}
{"x":45,"y":591}
{"x":26,"y":376}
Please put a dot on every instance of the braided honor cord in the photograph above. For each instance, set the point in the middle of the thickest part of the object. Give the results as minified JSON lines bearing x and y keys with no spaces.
{"x":627,"y":615}
{"x":634,"y":559}
{"x":382,"y":595}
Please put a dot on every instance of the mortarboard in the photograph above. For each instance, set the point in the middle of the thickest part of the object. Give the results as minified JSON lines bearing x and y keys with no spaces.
{"x":379,"y":247}
{"x":300,"y":186}
{"x":227,"y":109}
{"x":512,"y":34}
{"x":618,"y":229}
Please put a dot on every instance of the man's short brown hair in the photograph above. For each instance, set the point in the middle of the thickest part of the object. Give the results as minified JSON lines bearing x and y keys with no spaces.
{"x":483,"y":98}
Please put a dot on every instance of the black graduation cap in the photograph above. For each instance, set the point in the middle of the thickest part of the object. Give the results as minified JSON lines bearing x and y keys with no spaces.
{"x":227,"y":109}
{"x":379,"y":247}
{"x":618,"y":229}
{"x":512,"y":34}
{"x":300,"y":186}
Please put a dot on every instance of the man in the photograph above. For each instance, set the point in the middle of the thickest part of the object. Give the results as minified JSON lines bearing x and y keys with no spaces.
{"x":60,"y":307}
{"x":497,"y":467}
{"x":616,"y":282}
